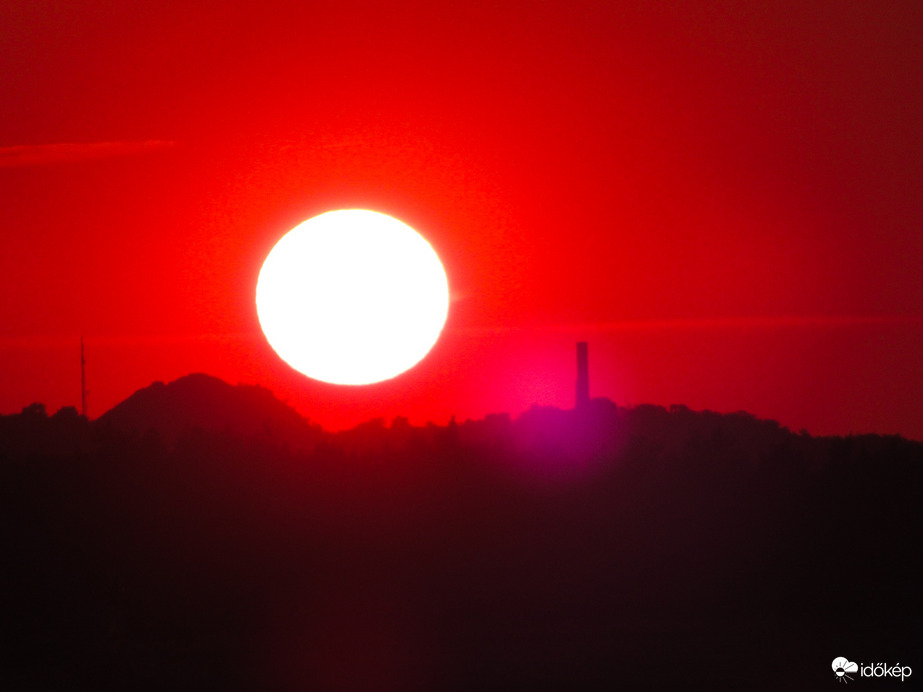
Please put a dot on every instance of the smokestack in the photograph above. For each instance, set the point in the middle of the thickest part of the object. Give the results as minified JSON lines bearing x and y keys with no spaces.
{"x":583,"y":376}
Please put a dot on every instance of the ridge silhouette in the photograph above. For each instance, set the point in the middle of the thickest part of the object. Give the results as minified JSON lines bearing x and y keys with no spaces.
{"x":199,"y":401}
{"x":204,"y":535}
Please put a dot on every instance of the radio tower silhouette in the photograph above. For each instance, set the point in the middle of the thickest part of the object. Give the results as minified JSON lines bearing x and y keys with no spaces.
{"x":83,"y":381}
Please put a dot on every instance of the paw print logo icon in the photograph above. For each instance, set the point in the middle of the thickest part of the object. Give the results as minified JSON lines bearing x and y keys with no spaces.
{"x":841,"y":667}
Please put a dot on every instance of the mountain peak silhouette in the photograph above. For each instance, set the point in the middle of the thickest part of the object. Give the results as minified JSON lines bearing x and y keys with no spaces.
{"x":205,"y":402}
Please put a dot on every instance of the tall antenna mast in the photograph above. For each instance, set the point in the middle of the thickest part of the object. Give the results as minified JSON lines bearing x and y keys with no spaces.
{"x":83,"y":381}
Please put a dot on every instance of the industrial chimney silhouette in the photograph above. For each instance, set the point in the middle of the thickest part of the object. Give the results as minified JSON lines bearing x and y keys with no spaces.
{"x":583,"y":376}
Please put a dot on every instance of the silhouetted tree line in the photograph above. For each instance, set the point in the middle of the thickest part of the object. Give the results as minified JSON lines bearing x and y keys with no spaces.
{"x":644,"y":547}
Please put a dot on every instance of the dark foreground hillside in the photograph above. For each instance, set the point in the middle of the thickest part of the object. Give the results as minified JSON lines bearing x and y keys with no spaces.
{"x":639,"y":549}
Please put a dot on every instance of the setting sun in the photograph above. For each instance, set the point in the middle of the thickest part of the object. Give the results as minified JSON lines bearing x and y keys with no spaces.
{"x":352,"y":297}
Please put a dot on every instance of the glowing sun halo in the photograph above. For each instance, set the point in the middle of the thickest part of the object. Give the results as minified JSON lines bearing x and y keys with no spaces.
{"x":352,"y":297}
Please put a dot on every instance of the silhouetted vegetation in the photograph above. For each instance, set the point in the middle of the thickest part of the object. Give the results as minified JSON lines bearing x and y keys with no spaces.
{"x":229,"y":544}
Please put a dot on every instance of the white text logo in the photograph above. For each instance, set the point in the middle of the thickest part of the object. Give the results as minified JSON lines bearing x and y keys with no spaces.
{"x":842,"y":667}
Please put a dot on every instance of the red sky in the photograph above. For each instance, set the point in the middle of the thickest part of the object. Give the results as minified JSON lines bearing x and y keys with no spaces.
{"x":723,"y":198}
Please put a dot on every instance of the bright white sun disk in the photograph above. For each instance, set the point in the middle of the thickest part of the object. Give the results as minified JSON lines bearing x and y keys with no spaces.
{"x":352,"y":297}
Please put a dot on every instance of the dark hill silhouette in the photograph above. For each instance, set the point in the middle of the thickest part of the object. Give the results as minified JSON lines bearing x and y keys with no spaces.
{"x":614,"y":548}
{"x":204,"y":402}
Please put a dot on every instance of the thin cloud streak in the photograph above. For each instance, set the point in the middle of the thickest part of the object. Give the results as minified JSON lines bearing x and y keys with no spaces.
{"x":53,"y":341}
{"x":24,"y":155}
{"x":778,"y":322}
{"x":40,"y":341}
